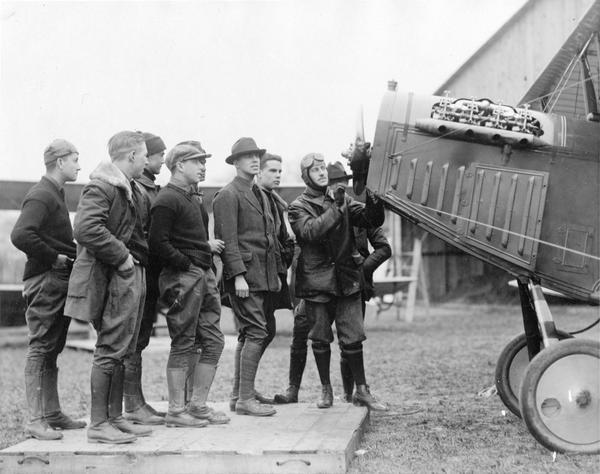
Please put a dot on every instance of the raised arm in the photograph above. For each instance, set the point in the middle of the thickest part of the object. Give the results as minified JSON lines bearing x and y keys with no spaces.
{"x":370,"y":215}
{"x":311,"y":228}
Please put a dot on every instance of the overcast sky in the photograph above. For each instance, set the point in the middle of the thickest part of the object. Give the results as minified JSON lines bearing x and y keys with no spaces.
{"x":291,"y":74}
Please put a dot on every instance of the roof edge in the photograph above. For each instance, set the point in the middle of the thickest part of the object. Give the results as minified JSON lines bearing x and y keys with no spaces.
{"x":527,"y":5}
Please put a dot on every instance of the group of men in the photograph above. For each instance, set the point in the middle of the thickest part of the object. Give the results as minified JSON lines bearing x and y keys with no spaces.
{"x":140,"y":248}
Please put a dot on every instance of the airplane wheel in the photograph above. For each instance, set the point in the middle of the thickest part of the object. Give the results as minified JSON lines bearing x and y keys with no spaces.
{"x":560,"y":397}
{"x":510,"y":368}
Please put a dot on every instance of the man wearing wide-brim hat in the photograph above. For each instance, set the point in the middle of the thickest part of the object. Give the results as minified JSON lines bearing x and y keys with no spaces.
{"x":251,"y":259}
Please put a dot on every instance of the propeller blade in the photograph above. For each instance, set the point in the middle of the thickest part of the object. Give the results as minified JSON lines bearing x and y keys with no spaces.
{"x":360,"y":125}
{"x":358,"y":156}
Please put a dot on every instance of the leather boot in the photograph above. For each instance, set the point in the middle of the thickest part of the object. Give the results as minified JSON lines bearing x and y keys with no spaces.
{"x":232,"y":402}
{"x":322,"y":353}
{"x":235,"y":391}
{"x":253,"y":408}
{"x":37,"y":427}
{"x":363,"y":397}
{"x":52,"y":412}
{"x":203,"y":377}
{"x":115,"y":406}
{"x":260,"y":398}
{"x":136,"y":409}
{"x":290,"y":395}
{"x":190,"y":375}
{"x":177,"y":416}
{"x":297,"y":365}
{"x":347,"y":379}
{"x":100,"y":430}
{"x":247,"y":403}
{"x":326,"y":397}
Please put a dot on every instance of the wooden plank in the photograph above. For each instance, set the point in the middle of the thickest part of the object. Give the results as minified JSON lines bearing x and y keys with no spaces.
{"x":292,"y":427}
{"x":317,"y":441}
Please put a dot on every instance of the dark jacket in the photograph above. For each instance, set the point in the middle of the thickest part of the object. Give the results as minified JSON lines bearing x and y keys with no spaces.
{"x":43,"y":229}
{"x":104,"y":223}
{"x":251,"y":247}
{"x":150,"y":190}
{"x":148,"y":185}
{"x":286,"y":241}
{"x":326,"y":239}
{"x":286,"y":247}
{"x":370,"y":261}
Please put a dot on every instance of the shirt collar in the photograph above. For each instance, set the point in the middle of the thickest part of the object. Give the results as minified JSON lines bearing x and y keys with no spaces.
{"x":187,"y":189}
{"x":247,"y":183}
{"x":54,"y":182}
{"x":148,"y":174}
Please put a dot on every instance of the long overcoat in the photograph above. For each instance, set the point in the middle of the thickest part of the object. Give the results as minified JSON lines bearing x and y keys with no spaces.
{"x":104,"y":222}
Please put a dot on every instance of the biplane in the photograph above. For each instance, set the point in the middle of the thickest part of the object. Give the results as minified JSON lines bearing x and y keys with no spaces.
{"x":518,"y":187}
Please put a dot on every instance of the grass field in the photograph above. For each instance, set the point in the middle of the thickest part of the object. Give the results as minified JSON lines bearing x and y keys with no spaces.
{"x":434,"y":366}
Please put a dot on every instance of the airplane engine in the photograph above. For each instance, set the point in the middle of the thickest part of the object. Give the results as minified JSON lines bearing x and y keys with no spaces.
{"x":515,"y":187}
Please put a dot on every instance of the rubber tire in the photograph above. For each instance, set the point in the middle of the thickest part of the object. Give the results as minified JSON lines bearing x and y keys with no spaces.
{"x":533,"y":374}
{"x":503,"y":366}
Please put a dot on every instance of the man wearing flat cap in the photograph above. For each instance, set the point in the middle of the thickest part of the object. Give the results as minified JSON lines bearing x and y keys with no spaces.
{"x":108,"y":281}
{"x":137,"y":410}
{"x":251,"y":260}
{"x":43,"y":231}
{"x":216,"y":247}
{"x":188,"y":288}
{"x":328,"y":278}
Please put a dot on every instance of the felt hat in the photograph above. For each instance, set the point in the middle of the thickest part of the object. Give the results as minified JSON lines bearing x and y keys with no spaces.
{"x":244,"y":146}
{"x":336,"y":172}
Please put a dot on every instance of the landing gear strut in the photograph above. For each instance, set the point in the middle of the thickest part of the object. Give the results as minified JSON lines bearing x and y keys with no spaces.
{"x":554,"y":386}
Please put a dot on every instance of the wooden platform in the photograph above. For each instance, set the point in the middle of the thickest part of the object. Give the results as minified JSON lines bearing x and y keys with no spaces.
{"x":299,"y":438}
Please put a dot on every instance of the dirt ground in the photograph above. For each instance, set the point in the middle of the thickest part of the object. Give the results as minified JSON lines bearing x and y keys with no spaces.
{"x":429,"y":371}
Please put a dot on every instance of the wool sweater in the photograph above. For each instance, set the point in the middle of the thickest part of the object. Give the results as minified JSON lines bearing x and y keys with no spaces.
{"x":43,"y":229}
{"x":179,"y":229}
